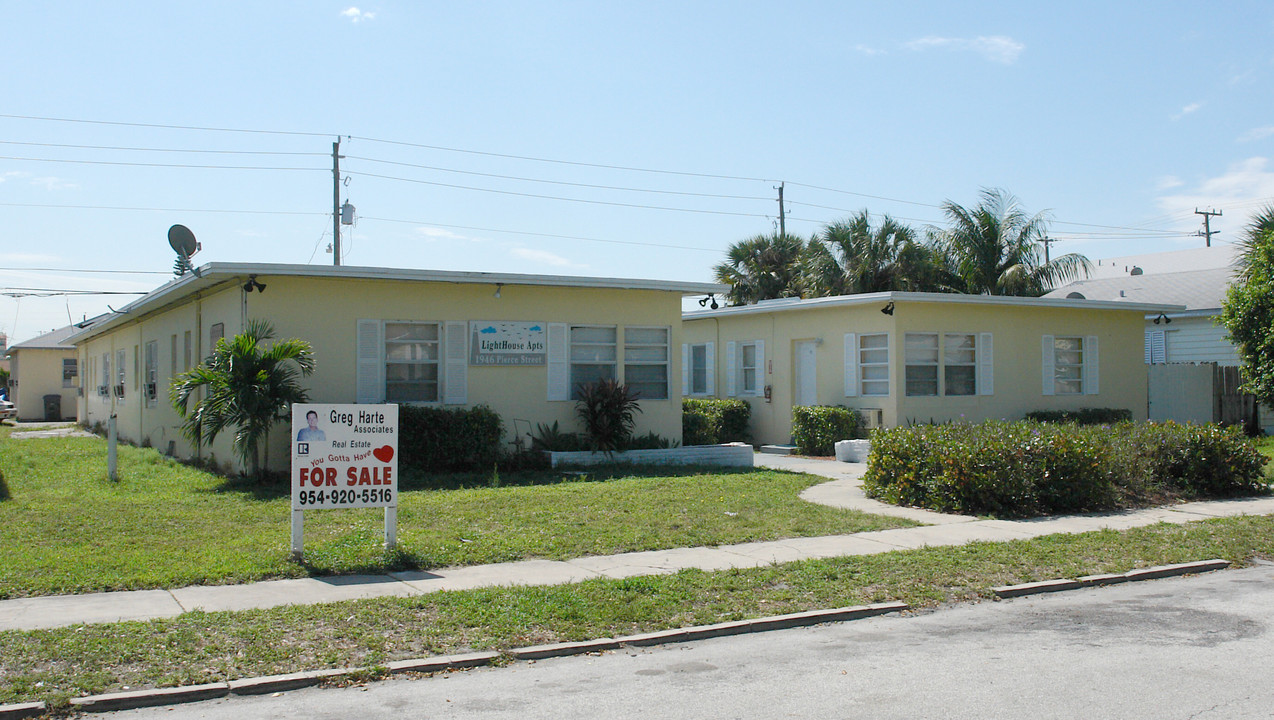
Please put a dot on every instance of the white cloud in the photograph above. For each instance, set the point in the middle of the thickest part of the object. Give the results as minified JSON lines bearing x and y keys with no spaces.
{"x":543,"y":256}
{"x":1244,"y":188}
{"x":996,"y":48}
{"x":13,"y":174}
{"x":434,"y":234}
{"x":29,"y":258}
{"x":1167,"y":182}
{"x":868,"y":50}
{"x":53,"y":183}
{"x":1187,"y":110}
{"x":356,"y":15}
{"x":1257,"y":133}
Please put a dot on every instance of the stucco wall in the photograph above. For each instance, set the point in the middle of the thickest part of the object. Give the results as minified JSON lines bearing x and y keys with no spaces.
{"x":325,"y":312}
{"x":39,"y":373}
{"x":1016,"y":360}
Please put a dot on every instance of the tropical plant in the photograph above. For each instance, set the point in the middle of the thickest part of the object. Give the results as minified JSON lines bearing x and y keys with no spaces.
{"x":764,"y":267}
{"x":1261,"y":224}
{"x":246,"y":386}
{"x":1248,"y":310}
{"x":607,"y":409}
{"x":995,"y":247}
{"x":853,"y":256}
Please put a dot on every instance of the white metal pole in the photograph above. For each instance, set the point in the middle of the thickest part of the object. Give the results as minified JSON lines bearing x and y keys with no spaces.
{"x":391,"y":527}
{"x":111,"y":453}
{"x":298,"y":535}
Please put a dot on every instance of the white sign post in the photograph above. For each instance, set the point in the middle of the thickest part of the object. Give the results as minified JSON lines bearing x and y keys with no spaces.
{"x":344,"y":456}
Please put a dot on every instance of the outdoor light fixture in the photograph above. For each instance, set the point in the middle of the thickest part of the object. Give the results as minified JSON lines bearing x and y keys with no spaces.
{"x":710,"y":298}
{"x":252,"y":284}
{"x":889,"y":308}
{"x":1164,"y":318}
{"x":497,"y":289}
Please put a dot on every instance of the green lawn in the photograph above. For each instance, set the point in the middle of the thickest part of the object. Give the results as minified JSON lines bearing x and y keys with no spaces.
{"x":198,"y":647}
{"x":1265,"y":445}
{"x":67,"y":529}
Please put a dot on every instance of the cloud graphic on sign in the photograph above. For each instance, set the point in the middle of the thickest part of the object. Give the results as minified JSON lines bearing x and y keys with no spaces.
{"x":536,"y":328}
{"x":487,"y":330}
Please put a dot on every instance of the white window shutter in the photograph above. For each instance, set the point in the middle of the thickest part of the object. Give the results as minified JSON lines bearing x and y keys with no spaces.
{"x":851,"y":365}
{"x":730,"y":363}
{"x":456,"y":357}
{"x":711,"y":361}
{"x":986,"y":365}
{"x":559,"y":366}
{"x":370,"y":368}
{"x":1046,"y":358}
{"x":1156,"y":351}
{"x":1091,"y":386}
{"x":685,"y":370}
{"x":760,"y":369}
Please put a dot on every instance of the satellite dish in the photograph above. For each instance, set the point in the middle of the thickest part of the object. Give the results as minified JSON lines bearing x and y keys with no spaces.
{"x":182,"y":240}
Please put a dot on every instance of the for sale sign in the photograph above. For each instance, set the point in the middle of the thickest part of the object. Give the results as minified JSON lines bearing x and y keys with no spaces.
{"x":344,"y":456}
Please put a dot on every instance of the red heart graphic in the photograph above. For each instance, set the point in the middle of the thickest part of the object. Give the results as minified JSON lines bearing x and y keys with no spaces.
{"x":384,"y":454}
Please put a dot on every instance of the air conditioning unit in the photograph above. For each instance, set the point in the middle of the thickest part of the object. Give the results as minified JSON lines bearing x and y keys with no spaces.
{"x":103,"y":390}
{"x":119,"y":391}
{"x":872,"y":417}
{"x":151,"y":391}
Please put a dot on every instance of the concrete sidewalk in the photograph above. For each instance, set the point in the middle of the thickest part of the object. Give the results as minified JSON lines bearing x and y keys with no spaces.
{"x":843,"y":491}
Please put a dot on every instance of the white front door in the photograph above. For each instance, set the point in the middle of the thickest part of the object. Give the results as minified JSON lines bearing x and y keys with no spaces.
{"x":806,"y":374}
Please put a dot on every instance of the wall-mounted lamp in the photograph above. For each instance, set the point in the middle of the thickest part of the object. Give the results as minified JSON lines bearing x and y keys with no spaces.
{"x":1164,"y":318}
{"x":252,"y":284}
{"x":710,"y":298}
{"x":498,"y":286}
{"x":888,"y":309}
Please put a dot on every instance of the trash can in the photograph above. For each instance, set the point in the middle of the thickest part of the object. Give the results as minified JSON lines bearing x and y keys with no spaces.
{"x":52,"y":408}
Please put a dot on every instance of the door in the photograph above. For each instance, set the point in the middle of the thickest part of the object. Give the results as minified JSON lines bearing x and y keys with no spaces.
{"x":806,"y":391}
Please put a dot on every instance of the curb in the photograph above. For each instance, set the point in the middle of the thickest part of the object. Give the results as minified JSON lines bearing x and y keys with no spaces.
{"x":1150,"y":573}
{"x":702,"y":632}
{"x":294,"y":681}
{"x":22,"y":710}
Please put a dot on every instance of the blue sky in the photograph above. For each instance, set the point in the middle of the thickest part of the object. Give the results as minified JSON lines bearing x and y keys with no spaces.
{"x":1117,"y":115}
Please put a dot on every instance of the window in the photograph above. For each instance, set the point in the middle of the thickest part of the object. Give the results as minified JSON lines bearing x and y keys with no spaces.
{"x":646,"y":362}
{"x":920,"y":352}
{"x":152,"y":371}
{"x":103,"y":388}
{"x":700,"y":369}
{"x":1068,"y":365}
{"x":593,"y":355}
{"x":70,"y":370}
{"x":215,"y":333}
{"x":186,"y":349}
{"x":172,"y":357}
{"x":749,"y":372}
{"x":137,"y":371}
{"x":411,"y":362}
{"x":873,"y":364}
{"x":120,"y":375}
{"x":959,"y":365}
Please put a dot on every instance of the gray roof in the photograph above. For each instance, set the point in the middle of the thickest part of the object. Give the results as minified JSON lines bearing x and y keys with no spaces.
{"x":794,"y":304}
{"x":55,"y":340}
{"x":1197,"y":290}
{"x":1221,"y":255}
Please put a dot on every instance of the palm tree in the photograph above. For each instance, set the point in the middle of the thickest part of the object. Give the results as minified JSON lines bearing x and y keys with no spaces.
{"x":763,"y":267}
{"x":247,"y":386}
{"x":1258,"y":228}
{"x":995,"y":246}
{"x":852,"y":256}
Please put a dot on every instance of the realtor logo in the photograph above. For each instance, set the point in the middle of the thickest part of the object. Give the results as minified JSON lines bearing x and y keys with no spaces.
{"x":302,"y":448}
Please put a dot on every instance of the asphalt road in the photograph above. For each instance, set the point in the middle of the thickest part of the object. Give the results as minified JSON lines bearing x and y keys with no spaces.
{"x":1196,"y":647}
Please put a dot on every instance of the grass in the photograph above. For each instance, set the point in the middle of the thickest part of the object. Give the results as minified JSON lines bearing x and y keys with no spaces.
{"x":68,"y":529}
{"x":197,"y":647}
{"x":1265,"y":446}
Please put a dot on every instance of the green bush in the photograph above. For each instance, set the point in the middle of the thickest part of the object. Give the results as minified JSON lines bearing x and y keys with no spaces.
{"x":1083,"y":416}
{"x":712,"y":421}
{"x":817,"y":428}
{"x":436,"y":439}
{"x":552,"y":438}
{"x":4,"y":488}
{"x":607,"y":409}
{"x":1026,"y":468}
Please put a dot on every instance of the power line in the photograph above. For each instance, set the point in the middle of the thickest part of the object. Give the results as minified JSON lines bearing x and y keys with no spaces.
{"x":554,"y":197}
{"x":539,"y":234}
{"x":52,"y":292}
{"x":161,"y":150}
{"x":141,"y":164}
{"x":556,"y":182}
{"x":166,"y":127}
{"x":160,"y":209}
{"x":77,"y":270}
{"x":858,"y":194}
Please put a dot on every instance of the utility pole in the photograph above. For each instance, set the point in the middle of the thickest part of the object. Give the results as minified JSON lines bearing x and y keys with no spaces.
{"x":336,"y":202}
{"x":1047,"y":241}
{"x":782,"y":214}
{"x":1208,"y":232}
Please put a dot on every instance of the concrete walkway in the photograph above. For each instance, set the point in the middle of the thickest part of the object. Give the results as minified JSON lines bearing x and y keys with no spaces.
{"x":843,"y":491}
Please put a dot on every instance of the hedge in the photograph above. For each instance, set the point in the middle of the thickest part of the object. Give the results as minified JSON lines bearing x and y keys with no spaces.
{"x":1024,"y":469}
{"x":1083,"y":416}
{"x":438,"y":439}
{"x":817,"y":428}
{"x":712,"y":421}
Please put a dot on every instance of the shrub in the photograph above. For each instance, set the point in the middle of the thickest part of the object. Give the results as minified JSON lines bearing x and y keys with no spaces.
{"x":1083,"y":416}
{"x":433,"y":439}
{"x":4,"y":488}
{"x":607,"y":409}
{"x":712,"y":421}
{"x":1027,"y":468}
{"x":817,"y":428}
{"x":650,"y":441}
{"x":551,"y":438}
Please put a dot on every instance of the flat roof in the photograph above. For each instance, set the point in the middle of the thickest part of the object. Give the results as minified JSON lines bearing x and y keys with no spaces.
{"x":794,"y":304}
{"x":211,"y":275}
